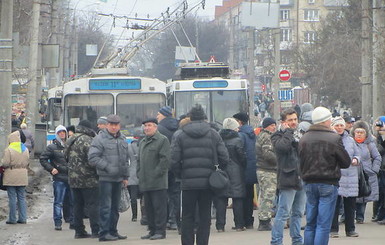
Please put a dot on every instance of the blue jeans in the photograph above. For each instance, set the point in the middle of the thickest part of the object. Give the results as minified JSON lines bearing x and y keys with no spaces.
{"x":290,"y":202}
{"x":360,"y":211}
{"x":320,"y":207}
{"x":109,"y":198}
{"x":59,"y":191}
{"x":16,"y":196}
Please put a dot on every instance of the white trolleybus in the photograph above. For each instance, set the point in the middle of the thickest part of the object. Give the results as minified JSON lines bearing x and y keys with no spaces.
{"x":208,"y":84}
{"x":132,"y":98}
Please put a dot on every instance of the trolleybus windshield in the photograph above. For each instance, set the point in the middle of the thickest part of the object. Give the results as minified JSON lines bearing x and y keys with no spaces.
{"x":218,"y":104}
{"x":87,"y":106}
{"x":134,"y":108}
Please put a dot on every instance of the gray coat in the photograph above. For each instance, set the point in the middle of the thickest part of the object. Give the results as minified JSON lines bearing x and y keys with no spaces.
{"x":349,"y":176}
{"x":110,"y":156}
{"x":371,"y":162}
{"x":133,"y":178}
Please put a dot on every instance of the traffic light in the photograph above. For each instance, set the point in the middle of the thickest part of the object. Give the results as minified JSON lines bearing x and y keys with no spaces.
{"x":263,"y":87}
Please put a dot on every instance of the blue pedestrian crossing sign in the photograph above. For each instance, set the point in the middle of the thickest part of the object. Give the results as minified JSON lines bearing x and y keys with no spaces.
{"x":284,"y":95}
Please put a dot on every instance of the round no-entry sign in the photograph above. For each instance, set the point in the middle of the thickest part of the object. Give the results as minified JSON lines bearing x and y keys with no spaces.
{"x":284,"y":75}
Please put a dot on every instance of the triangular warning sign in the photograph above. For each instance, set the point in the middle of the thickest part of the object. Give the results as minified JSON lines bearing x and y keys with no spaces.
{"x":212,"y":59}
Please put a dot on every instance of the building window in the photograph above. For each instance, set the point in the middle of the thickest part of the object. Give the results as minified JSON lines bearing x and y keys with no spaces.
{"x":285,"y":15}
{"x":311,"y":15}
{"x":311,"y":1}
{"x":285,"y":35}
{"x":310,"y":37}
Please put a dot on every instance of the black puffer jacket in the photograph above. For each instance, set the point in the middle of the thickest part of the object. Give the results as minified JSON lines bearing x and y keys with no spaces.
{"x":237,"y":164}
{"x":192,"y":157}
{"x":167,"y":127}
{"x":53,"y":157}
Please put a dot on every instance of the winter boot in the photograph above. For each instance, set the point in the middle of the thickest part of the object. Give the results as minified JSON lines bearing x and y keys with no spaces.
{"x":264,"y":225}
{"x":134,"y":208}
{"x":143,"y":220}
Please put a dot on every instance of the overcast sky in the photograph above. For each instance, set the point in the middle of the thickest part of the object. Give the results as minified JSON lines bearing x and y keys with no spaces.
{"x":141,"y":8}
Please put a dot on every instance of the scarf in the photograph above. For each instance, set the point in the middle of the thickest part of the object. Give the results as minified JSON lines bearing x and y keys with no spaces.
{"x":359,"y":140}
{"x":18,"y":147}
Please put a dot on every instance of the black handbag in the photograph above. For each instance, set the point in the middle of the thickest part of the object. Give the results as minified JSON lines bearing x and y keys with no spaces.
{"x":2,"y":187}
{"x":218,"y":180}
{"x":364,"y":188}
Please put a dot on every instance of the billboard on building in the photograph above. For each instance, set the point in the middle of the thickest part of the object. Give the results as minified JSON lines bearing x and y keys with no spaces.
{"x":259,"y":15}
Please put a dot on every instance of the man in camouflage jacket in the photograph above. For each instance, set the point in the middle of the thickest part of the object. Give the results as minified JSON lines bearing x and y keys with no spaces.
{"x":266,"y":173}
{"x":83,"y":179}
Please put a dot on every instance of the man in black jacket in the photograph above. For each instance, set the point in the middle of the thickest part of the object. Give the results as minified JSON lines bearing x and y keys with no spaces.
{"x":292,"y":199}
{"x":167,"y":125}
{"x":193,"y":154}
{"x":52,"y":159}
{"x":322,"y":155}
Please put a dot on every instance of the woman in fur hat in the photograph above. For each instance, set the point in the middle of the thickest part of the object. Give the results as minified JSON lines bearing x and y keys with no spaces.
{"x":370,"y":161}
{"x":348,"y":184}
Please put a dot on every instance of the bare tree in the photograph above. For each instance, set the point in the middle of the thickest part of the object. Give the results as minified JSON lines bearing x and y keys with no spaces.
{"x":211,"y":39}
{"x":89,"y":32}
{"x":332,"y":64}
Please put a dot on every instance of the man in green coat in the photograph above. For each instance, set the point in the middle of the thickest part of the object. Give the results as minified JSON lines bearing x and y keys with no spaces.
{"x":153,"y":165}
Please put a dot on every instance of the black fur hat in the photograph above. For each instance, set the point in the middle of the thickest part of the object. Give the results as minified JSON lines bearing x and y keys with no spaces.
{"x":360,"y":124}
{"x":197,"y":113}
{"x":85,"y":123}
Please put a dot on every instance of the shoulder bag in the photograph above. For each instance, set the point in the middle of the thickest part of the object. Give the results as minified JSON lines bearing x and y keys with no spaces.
{"x":364,"y":188}
{"x":218,"y":180}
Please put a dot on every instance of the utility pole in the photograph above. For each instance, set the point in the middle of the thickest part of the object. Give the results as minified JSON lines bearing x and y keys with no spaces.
{"x":366,"y":66}
{"x":250,"y":72}
{"x":277,"y":69}
{"x":378,"y":57}
{"x":67,"y":29}
{"x":32,"y":89}
{"x":231,"y":42}
{"x":74,"y":47}
{"x":53,"y":76}
{"x":60,"y":37}
{"x":5,"y":72}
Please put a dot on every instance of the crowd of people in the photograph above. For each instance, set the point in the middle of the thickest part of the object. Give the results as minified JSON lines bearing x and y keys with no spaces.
{"x":309,"y":163}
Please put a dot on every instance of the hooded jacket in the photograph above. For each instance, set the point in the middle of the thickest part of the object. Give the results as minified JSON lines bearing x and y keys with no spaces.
{"x":15,"y":162}
{"x":246,"y":132}
{"x":29,"y":143}
{"x":370,"y":160}
{"x":322,"y":156}
{"x":110,"y":156}
{"x":167,"y":127}
{"x":236,"y":166}
{"x":349,"y":176}
{"x":80,"y":173}
{"x":53,"y":157}
{"x":192,"y":154}
{"x":267,"y":160}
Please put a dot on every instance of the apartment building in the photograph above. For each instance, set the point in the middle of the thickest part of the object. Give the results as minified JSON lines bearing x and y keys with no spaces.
{"x":299,"y":20}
